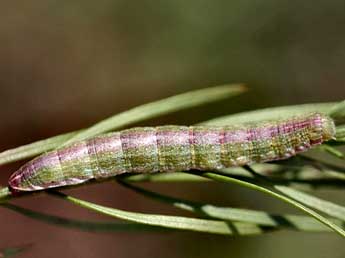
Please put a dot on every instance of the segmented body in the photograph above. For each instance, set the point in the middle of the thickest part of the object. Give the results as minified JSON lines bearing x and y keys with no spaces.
{"x":172,"y":148}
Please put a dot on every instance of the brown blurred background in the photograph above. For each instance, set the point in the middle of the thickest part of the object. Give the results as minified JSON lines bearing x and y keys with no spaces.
{"x":65,"y":65}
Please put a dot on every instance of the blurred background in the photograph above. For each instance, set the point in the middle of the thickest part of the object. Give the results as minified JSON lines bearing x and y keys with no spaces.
{"x":65,"y":65}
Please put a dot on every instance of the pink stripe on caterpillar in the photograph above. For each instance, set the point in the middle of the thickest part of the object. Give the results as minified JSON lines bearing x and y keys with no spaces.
{"x":49,"y":160}
{"x":206,"y":137}
{"x":180,"y":148}
{"x":77,"y":151}
{"x":170,"y":138}
{"x":235,"y":136}
{"x":134,"y":140}
{"x":110,"y":143}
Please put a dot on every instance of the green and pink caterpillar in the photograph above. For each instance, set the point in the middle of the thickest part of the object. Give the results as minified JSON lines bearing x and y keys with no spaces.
{"x":173,"y":148}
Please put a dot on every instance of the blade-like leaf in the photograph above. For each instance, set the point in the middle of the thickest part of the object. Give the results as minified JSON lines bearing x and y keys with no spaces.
{"x":326,"y":207}
{"x":340,"y":134}
{"x":326,"y":161}
{"x":306,"y":176}
{"x":137,"y":114}
{"x":271,"y":113}
{"x":91,"y":226}
{"x":34,"y":149}
{"x":266,"y":190}
{"x":164,"y":177}
{"x":174,"y":222}
{"x":161,"y":107}
{"x":331,"y":150}
{"x":296,"y":222}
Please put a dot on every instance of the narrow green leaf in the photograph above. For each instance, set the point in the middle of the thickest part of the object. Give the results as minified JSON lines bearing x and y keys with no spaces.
{"x":34,"y":149}
{"x":163,"y":177}
{"x":326,"y":207}
{"x":271,"y":113}
{"x":304,"y":176}
{"x":266,"y":190}
{"x":161,"y":107}
{"x":174,"y":222}
{"x":290,"y":221}
{"x":296,"y":222}
{"x":340,"y":133}
{"x":324,"y":161}
{"x":91,"y":226}
{"x":331,"y":150}
{"x":137,"y":114}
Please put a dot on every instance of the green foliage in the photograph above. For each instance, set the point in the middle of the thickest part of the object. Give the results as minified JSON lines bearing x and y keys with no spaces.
{"x":311,"y":170}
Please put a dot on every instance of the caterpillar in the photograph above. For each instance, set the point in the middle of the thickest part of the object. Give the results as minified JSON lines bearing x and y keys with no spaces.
{"x":172,"y":148}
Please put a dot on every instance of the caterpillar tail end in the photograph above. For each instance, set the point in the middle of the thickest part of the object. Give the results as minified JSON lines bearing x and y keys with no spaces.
{"x":18,"y":181}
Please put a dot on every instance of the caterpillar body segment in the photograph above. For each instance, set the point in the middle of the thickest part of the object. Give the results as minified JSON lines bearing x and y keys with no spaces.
{"x":173,"y":148}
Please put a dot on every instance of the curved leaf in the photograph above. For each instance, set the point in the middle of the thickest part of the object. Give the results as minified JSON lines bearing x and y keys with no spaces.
{"x":296,"y":222}
{"x":266,"y":190}
{"x":136,"y":114}
{"x":306,"y":176}
{"x":161,"y":107}
{"x":163,"y":177}
{"x":340,"y":134}
{"x":174,"y":222}
{"x":34,"y":149}
{"x":83,"y":225}
{"x":326,"y":207}
{"x":271,"y":113}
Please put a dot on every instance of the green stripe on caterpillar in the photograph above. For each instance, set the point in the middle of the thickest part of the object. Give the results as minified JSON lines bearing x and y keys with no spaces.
{"x":173,"y":148}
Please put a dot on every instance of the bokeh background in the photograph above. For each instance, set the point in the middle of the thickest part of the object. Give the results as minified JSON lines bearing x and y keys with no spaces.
{"x":65,"y":65}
